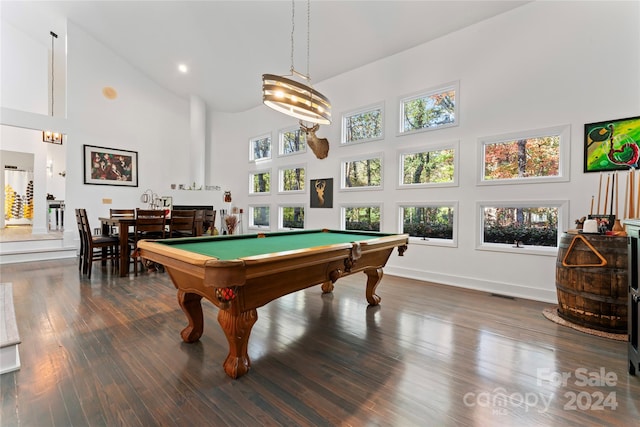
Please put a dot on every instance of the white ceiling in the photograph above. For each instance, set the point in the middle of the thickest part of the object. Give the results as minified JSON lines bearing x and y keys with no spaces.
{"x":228,"y":45}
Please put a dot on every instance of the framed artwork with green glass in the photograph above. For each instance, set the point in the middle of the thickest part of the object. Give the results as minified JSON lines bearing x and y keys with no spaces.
{"x":612,"y":145}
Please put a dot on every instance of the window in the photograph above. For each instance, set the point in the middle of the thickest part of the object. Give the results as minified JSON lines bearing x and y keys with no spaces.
{"x":362,"y":173}
{"x":421,"y":167}
{"x":363,"y":125}
{"x":522,"y":226}
{"x":259,"y":216}
{"x":260,"y":148}
{"x":434,"y":223}
{"x":291,"y":179}
{"x":291,"y":216}
{"x":363,"y":218}
{"x":432,"y":109}
{"x":292,"y":141}
{"x":533,"y":156}
{"x":260,"y":182}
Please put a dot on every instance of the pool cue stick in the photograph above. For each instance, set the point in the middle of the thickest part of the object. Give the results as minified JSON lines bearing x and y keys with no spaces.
{"x":591,"y":209}
{"x":599,"y":192}
{"x":606,"y":194}
{"x":613,"y":185}
{"x":617,"y":186}
{"x":626,"y":196}
{"x":631,"y":194}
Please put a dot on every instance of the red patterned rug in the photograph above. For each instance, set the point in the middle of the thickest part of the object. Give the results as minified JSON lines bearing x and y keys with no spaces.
{"x":552,"y":314}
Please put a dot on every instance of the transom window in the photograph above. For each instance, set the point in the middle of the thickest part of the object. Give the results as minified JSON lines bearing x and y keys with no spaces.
{"x":363,"y":125}
{"x":292,"y":141}
{"x":433,"y":223}
{"x":362,"y":173}
{"x":291,"y":179}
{"x":260,"y":148}
{"x":260,"y":182}
{"x":364,"y":218}
{"x":291,"y":216}
{"x":259,"y":216}
{"x":431,"y":109}
{"x":531,"y":156}
{"x":428,"y":166}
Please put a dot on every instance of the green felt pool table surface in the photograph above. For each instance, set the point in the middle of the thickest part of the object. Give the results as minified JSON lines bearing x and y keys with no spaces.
{"x":242,"y":246}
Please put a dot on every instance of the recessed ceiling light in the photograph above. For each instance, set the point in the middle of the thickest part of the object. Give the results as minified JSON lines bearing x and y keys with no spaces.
{"x":182,"y":68}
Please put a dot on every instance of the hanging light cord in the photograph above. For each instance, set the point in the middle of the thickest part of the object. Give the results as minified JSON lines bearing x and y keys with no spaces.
{"x":53,"y":37}
{"x":306,"y":76}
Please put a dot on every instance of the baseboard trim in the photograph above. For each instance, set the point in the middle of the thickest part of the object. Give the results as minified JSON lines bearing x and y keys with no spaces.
{"x":501,"y":288}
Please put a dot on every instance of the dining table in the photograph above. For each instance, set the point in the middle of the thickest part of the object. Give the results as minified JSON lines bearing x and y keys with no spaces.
{"x":123,"y":224}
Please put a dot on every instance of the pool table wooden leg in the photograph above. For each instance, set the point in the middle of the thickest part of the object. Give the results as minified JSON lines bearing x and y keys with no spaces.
{"x":237,"y":329}
{"x":374,"y":276}
{"x":191,"y":306}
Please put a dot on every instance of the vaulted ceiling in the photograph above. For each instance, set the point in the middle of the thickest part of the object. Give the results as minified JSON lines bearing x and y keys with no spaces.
{"x":228,"y":45}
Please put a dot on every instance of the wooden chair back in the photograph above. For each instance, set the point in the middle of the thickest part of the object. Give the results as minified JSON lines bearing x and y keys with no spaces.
{"x":182,"y":223}
{"x":119,"y":213}
{"x":209,"y":221}
{"x":150,"y":224}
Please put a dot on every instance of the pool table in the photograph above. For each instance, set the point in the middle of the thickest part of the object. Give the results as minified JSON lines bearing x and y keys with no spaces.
{"x":240,"y":273}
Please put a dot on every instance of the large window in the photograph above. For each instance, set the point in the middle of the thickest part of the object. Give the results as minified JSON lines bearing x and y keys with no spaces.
{"x":260,"y":182}
{"x":522,"y":226}
{"x":291,"y":216}
{"x":428,"y":110}
{"x":363,"y":125}
{"x":433,"y":223}
{"x":532,"y":156}
{"x":362,"y":173}
{"x":291,"y":179}
{"x":292,"y":141}
{"x":423,"y":166}
{"x":259,"y":216}
{"x":363,"y":218}
{"x":260,"y":148}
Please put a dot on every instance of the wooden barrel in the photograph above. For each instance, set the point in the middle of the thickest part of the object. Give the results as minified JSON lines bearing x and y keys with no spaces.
{"x":589,"y":293}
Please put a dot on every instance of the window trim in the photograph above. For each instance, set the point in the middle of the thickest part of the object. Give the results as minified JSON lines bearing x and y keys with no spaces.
{"x":257,"y":172}
{"x":563,"y":222}
{"x":281,"y":206}
{"x":453,"y":243}
{"x":252,"y":159}
{"x":372,"y":107}
{"x":252,"y":226}
{"x":564,"y":162}
{"x":281,"y":133}
{"x":454,"y":145}
{"x":281,"y":170}
{"x":455,"y":85}
{"x":343,"y":206}
{"x":376,"y":155}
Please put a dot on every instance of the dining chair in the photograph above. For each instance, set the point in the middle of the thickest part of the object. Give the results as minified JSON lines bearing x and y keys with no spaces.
{"x":209,"y":221}
{"x":182,"y":223}
{"x":120,"y":213}
{"x":82,"y":244}
{"x":95,"y":248}
{"x":150,"y":224}
{"x":198,"y":223}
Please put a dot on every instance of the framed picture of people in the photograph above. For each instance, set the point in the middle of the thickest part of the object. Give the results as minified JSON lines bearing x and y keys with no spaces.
{"x":109,"y":166}
{"x":322,"y":193}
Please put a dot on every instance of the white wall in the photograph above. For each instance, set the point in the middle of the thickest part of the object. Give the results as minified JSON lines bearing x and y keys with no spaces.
{"x":534,"y":67}
{"x":144,"y":118}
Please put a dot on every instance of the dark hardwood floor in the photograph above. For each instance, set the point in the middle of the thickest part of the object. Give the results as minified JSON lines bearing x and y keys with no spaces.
{"x":107,"y":352}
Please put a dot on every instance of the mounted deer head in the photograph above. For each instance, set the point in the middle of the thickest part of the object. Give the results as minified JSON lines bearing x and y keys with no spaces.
{"x":319,"y":146}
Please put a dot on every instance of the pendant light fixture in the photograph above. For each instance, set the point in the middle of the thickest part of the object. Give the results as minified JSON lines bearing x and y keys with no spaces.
{"x":47,"y":135}
{"x":294,"y":98}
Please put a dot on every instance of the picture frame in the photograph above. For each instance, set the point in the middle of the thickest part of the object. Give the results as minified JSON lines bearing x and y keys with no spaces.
{"x":321,"y":193}
{"x":110,"y":166}
{"x":612,"y":145}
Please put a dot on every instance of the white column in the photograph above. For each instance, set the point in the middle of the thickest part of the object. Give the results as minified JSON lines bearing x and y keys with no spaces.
{"x":198,"y":115}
